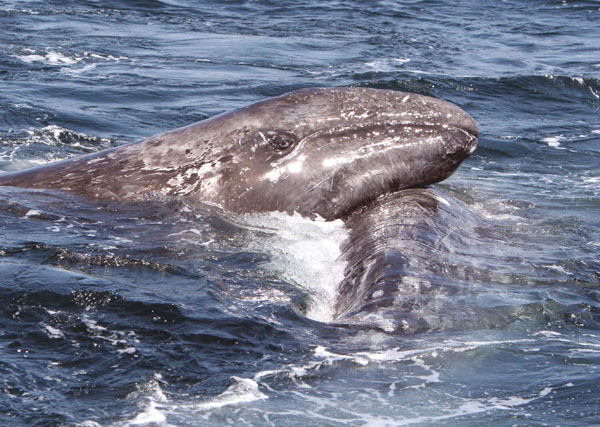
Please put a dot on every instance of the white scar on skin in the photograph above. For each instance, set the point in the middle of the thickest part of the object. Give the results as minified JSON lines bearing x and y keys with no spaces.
{"x":365,"y":152}
{"x":176,"y":183}
{"x":278,"y":170}
{"x":352,"y":114}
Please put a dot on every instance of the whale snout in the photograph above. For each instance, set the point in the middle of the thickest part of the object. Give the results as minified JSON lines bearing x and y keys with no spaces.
{"x":471,"y":133}
{"x":467,"y":124}
{"x":461,"y":128}
{"x":402,"y":141}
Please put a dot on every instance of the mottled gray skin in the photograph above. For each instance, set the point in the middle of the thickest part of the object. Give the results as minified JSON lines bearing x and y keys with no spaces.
{"x":407,"y":256}
{"x":314,"y":151}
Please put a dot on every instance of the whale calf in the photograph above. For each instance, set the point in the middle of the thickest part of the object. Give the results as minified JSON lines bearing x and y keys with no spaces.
{"x":315,"y":151}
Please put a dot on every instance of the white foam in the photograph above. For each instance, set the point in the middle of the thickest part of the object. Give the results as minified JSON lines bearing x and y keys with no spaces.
{"x":123,"y":340}
{"x":484,"y":209}
{"x":478,"y":406}
{"x":554,"y":141}
{"x":53,"y":135}
{"x":83,"y":69}
{"x":244,"y":390}
{"x":387,"y":64}
{"x":324,"y":358}
{"x":304,"y":252}
{"x":53,"y":332}
{"x":558,"y":268}
{"x":51,"y":58}
{"x":150,"y":415}
{"x":330,"y":357}
{"x":154,"y":410}
{"x":396,"y":355}
{"x":422,"y":374}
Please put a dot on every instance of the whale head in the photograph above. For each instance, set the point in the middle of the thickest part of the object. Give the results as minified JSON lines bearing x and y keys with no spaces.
{"x":314,"y":151}
{"x":328,"y":152}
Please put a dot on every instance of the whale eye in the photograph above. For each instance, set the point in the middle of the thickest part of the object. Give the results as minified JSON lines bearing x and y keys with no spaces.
{"x":280,"y":140}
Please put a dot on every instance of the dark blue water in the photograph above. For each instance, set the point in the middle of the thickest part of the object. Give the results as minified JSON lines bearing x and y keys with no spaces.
{"x":175,"y":315}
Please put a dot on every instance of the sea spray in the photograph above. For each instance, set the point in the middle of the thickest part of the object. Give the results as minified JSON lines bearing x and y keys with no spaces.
{"x":305,"y":252}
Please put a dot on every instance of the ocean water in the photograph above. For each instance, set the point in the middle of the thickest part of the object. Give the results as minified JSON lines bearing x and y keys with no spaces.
{"x":170,"y":314}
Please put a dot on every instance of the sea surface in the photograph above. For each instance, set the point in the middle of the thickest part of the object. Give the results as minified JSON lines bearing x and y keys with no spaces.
{"x":162,"y":313}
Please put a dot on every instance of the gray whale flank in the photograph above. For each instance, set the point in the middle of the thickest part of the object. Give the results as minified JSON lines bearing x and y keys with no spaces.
{"x":314,"y":151}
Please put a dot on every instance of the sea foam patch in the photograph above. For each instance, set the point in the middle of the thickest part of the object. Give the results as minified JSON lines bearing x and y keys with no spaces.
{"x":53,"y":57}
{"x":305,"y":252}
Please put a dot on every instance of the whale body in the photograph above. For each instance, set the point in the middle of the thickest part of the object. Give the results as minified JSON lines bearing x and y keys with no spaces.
{"x":315,"y":151}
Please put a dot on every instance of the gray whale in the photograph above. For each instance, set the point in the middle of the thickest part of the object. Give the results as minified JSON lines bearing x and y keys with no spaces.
{"x":315,"y":151}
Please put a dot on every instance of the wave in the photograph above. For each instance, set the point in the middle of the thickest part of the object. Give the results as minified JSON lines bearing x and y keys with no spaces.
{"x":528,"y":88}
{"x":34,"y":147}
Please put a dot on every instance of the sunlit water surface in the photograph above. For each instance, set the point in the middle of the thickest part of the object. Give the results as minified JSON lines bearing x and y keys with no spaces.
{"x":172,"y":314}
